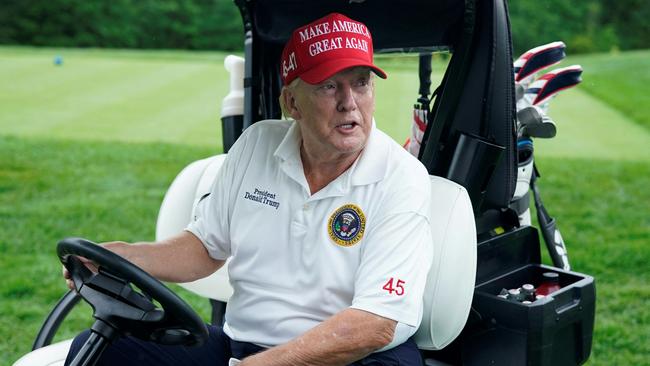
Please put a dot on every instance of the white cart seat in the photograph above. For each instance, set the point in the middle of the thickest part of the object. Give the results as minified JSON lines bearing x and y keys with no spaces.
{"x":52,"y":355}
{"x":450,"y":285}
{"x":177,"y":210}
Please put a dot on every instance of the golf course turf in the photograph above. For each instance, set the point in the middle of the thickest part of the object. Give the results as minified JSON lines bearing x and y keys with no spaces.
{"x":89,"y":147}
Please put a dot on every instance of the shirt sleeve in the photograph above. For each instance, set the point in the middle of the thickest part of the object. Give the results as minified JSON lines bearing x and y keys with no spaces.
{"x":395,"y":263}
{"x":211,"y":220}
{"x":213,"y":209}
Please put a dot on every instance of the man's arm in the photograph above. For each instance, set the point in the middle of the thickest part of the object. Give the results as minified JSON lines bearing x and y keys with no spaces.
{"x":340,"y":340}
{"x":181,"y":258}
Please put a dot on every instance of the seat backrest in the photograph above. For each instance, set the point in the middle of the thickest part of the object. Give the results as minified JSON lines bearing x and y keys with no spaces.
{"x":450,"y":284}
{"x":176,"y":211}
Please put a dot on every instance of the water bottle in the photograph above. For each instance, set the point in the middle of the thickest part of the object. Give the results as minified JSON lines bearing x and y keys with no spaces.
{"x":232,"y":106}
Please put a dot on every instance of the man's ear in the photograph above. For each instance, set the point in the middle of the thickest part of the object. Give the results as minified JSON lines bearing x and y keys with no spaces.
{"x":290,"y":105}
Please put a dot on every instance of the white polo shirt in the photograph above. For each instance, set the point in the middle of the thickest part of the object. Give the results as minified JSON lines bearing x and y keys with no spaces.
{"x":363,"y":241}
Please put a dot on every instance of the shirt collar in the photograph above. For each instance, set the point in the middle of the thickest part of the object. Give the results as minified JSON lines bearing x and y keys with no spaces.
{"x":289,"y":148}
{"x":288,"y":154}
{"x":372,"y":164}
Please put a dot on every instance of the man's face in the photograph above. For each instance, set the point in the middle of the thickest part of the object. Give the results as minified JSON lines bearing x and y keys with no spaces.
{"x":335,"y":116}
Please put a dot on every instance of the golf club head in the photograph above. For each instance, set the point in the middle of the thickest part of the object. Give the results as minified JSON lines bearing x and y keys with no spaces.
{"x":536,"y":59}
{"x":551,"y":83}
{"x":544,"y":130}
{"x":533,"y":122}
{"x":526,"y":116}
{"x":529,"y":115}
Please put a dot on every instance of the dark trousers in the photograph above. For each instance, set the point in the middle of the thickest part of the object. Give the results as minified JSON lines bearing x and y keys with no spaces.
{"x":216,"y":351}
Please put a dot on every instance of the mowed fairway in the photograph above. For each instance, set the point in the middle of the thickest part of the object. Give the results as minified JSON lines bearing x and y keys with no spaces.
{"x":616,"y":79}
{"x":89,"y":148}
{"x":590,"y":129}
{"x":124,"y":96}
{"x":136,"y":96}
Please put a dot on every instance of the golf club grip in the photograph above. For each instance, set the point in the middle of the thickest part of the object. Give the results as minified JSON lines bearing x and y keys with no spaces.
{"x":425,"y":74}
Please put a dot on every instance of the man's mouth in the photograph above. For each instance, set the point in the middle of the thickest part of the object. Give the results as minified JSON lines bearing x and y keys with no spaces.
{"x":347,"y":126}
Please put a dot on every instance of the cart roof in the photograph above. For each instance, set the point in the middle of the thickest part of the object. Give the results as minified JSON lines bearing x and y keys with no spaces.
{"x":395,"y":25}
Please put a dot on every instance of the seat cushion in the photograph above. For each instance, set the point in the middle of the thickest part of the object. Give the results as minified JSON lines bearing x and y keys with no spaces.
{"x":450,"y":285}
{"x":52,"y":355}
{"x":176,"y":211}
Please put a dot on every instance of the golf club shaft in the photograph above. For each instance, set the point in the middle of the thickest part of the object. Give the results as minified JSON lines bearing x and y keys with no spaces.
{"x":550,"y":232}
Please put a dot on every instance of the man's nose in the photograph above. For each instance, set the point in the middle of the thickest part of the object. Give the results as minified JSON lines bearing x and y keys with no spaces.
{"x":346,"y":99}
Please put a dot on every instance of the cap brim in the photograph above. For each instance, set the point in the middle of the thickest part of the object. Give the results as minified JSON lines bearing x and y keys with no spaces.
{"x":325,"y":70}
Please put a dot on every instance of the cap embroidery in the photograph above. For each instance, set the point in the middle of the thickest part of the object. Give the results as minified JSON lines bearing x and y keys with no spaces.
{"x":326,"y":46}
{"x":292,"y":64}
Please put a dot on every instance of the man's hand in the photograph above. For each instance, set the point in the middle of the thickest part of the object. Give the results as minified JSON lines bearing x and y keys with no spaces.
{"x":68,"y":278}
{"x":112,"y":246}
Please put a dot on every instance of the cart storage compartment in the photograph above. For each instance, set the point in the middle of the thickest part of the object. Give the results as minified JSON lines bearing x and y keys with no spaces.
{"x":554,"y":330}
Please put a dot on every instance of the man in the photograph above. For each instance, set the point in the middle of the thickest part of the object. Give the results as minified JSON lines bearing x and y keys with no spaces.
{"x":323,"y":217}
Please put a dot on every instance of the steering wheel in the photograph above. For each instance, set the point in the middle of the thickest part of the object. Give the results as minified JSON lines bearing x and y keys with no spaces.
{"x":121,"y":309}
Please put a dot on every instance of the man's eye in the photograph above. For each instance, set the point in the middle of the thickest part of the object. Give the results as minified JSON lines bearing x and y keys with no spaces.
{"x":363,"y":82}
{"x":326,"y":88}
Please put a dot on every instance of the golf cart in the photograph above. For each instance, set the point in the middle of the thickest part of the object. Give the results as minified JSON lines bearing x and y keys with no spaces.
{"x":470,"y":149}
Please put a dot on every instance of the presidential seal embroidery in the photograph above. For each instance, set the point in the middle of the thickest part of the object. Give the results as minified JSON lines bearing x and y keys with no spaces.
{"x":346,"y":225}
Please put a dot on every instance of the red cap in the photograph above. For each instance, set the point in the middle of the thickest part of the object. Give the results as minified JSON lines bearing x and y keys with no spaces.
{"x":326,"y":46}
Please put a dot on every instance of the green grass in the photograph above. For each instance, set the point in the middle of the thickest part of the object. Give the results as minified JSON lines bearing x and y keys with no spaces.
{"x":619,"y":79}
{"x":138,"y":96}
{"x":51,"y":190}
{"x":112,"y":95}
{"x":588,"y":128}
{"x":88,"y":149}
{"x":107,"y":191}
{"x":602,"y":210}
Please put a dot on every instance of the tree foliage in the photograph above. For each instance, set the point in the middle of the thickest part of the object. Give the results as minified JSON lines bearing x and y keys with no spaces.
{"x":584,"y":25}
{"x":185,"y":24}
